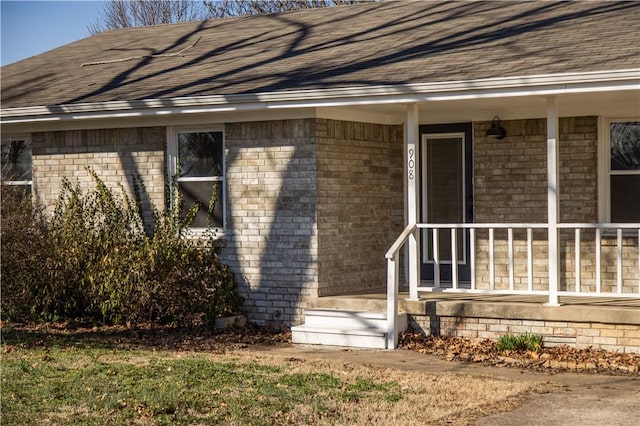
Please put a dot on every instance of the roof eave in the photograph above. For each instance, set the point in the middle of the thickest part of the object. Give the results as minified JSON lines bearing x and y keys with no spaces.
{"x":548,"y":84}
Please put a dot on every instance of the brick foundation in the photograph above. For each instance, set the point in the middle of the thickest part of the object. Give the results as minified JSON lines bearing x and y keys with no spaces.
{"x":614,"y":337}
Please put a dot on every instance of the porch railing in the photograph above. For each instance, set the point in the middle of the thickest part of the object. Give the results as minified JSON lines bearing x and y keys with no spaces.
{"x":579,"y":249}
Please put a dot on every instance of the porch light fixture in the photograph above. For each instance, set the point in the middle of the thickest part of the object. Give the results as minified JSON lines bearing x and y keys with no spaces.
{"x":496,"y":130}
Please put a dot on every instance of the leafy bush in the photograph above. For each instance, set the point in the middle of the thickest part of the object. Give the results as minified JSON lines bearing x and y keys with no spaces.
{"x":520,"y":342}
{"x":93,"y":259}
{"x":24,"y":240}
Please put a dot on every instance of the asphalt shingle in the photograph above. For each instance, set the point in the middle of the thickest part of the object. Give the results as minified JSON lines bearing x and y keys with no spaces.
{"x":349,"y":46}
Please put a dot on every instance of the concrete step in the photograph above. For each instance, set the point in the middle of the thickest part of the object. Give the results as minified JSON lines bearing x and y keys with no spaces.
{"x":335,"y":327}
{"x":345,"y":318}
{"x":352,"y":337}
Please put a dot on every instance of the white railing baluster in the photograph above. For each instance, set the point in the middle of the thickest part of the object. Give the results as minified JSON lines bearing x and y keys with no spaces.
{"x":619,"y":262}
{"x":497,"y":275}
{"x":598,"y":267}
{"x":392,"y":301}
{"x":510,"y":244}
{"x":492,"y":272}
{"x":454,"y":258}
{"x":436,"y":259}
{"x":578,"y":261}
{"x":530,"y":259}
{"x":472,"y":258}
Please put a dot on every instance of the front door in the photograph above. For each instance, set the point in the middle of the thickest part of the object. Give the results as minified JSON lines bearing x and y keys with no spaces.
{"x":446,"y":197}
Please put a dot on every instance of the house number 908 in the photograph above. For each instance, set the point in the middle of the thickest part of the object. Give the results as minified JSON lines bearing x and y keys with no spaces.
{"x":412,"y":164}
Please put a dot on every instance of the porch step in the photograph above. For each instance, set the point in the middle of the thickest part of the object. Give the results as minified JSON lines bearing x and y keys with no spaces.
{"x":335,"y":327}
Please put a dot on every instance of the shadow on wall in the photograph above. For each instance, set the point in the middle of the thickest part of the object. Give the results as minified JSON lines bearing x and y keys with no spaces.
{"x":271,"y":217}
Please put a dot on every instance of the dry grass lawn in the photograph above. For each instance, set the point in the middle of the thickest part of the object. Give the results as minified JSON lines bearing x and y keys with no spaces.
{"x":426,"y":398}
{"x":79,"y":385}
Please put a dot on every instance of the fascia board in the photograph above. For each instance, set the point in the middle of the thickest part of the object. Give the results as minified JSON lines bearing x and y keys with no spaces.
{"x":551,"y":84}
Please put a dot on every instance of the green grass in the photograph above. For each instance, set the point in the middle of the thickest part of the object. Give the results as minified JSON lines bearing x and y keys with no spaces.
{"x":67,"y":384}
{"x":520,"y":342}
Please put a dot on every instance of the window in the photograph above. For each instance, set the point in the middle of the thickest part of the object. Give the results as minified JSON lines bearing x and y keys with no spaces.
{"x":16,"y":162}
{"x":196,"y":160}
{"x":622,"y":177}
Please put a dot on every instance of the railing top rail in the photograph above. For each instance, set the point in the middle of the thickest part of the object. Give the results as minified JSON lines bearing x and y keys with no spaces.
{"x":528,"y":225}
{"x":400,"y":241}
{"x":599,"y":225}
{"x":481,"y":225}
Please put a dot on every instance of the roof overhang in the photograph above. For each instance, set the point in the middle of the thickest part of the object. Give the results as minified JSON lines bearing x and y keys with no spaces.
{"x":539,"y":85}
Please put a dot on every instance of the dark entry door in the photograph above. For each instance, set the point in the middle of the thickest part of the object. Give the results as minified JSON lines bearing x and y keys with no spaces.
{"x":446,"y":197}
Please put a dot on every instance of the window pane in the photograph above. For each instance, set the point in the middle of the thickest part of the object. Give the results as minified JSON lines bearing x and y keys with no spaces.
{"x":200,"y":193}
{"x":625,"y":198}
{"x":16,"y":160}
{"x":625,"y":146}
{"x":200,"y":154}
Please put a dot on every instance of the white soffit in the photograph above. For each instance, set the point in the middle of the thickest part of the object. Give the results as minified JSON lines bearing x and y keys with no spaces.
{"x":541,"y":85}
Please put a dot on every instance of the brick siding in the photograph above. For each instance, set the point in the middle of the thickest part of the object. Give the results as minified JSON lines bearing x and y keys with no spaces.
{"x":510,"y":185}
{"x":271,"y":240}
{"x":359,"y":203}
{"x":114,"y":154}
{"x":312,"y":206}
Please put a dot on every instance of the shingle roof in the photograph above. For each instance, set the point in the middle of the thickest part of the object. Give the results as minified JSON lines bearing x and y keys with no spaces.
{"x":349,"y":46}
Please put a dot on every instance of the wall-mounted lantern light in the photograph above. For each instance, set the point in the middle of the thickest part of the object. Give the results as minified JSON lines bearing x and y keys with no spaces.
{"x":496,"y":130}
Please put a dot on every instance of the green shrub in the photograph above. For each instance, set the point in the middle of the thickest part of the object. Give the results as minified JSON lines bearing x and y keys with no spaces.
{"x":520,"y":342}
{"x":95,"y":259}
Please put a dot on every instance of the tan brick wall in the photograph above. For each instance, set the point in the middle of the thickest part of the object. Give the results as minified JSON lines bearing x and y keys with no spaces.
{"x":271,"y":240}
{"x":623,"y":338}
{"x":360,"y":207}
{"x":115,"y":155}
{"x":510,"y":175}
{"x":510,"y":185}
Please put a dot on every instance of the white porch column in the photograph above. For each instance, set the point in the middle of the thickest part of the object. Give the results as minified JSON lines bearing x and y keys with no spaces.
{"x":412,"y":136}
{"x":553,"y":199}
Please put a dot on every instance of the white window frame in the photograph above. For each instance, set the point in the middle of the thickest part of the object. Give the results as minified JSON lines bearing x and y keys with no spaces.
{"x":172,"y":169}
{"x":20,"y":137}
{"x":604,"y":165}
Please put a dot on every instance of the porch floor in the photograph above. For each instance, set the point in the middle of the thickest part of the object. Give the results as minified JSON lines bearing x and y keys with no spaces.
{"x":609,"y":310}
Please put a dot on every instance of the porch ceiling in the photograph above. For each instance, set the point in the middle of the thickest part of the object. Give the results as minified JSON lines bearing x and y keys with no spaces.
{"x":623,"y":103}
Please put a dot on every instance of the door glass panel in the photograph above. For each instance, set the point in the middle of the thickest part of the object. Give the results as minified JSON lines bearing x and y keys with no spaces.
{"x":444,"y":185}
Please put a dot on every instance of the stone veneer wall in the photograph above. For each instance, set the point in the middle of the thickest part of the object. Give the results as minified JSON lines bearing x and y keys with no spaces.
{"x":271,"y":240}
{"x":510,"y":185}
{"x":114,"y":154}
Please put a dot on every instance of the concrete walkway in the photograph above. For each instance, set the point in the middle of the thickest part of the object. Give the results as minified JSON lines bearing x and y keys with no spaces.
{"x":584,"y":399}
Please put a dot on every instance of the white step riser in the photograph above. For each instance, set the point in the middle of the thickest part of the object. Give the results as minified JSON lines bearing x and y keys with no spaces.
{"x":333,"y":339}
{"x":344,"y":328}
{"x":361,"y":321}
{"x":335,"y":322}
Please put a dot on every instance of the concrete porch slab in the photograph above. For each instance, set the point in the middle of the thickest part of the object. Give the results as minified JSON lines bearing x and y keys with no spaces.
{"x":607,"y":310}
